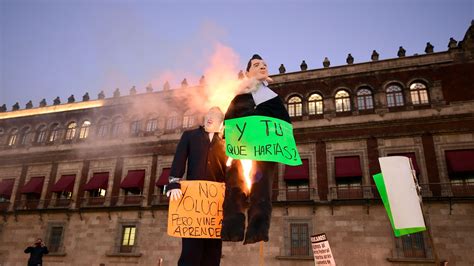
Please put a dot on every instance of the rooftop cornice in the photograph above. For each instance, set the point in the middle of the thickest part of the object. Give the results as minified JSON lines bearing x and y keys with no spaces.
{"x":366,"y":67}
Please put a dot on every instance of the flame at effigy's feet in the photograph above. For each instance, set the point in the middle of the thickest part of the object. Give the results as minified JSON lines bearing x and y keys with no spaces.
{"x":247,"y":168}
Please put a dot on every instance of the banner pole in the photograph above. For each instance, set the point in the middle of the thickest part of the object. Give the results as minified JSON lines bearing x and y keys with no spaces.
{"x":261,"y":254}
{"x":425,"y":219}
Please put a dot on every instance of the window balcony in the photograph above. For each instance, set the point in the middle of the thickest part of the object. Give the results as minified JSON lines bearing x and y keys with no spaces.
{"x":160,"y":199}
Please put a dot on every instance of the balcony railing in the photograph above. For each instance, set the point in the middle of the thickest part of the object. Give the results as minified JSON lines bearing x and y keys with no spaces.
{"x":294,"y":194}
{"x":297,"y":194}
{"x":160,"y":199}
{"x":29,"y":204}
{"x":429,"y":190}
{"x":131,"y":200}
{"x":355,"y":192}
{"x":4,"y":205}
{"x":92,"y":202}
{"x":465,"y":189}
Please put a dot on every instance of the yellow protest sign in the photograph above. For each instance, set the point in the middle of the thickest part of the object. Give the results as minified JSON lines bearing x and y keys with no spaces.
{"x":198,"y":213}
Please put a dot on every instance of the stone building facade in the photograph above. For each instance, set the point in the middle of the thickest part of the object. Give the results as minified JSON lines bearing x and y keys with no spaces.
{"x":88,"y":176}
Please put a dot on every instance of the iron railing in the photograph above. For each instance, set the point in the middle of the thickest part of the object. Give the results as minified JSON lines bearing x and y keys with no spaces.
{"x":430,"y":190}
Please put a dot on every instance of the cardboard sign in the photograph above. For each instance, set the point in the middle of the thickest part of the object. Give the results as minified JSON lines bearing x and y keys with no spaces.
{"x":198,"y":213}
{"x":321,"y":250}
{"x":397,"y":189}
{"x":261,"y":138}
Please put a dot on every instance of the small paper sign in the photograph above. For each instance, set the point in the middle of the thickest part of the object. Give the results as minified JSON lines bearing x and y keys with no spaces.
{"x":198,"y":213}
{"x":321,"y":250}
{"x":261,"y":138}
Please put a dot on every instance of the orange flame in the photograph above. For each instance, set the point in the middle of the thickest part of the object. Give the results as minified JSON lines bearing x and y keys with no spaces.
{"x":247,"y":168}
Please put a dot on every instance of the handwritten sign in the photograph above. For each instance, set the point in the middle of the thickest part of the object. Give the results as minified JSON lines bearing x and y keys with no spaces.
{"x":322,"y":250}
{"x":198,"y":213}
{"x":261,"y":138}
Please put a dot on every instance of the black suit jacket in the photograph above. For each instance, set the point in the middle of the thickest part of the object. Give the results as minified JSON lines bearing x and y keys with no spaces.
{"x":244,"y":105}
{"x":206,"y":160}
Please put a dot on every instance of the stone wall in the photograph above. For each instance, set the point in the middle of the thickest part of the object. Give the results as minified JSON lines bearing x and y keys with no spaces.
{"x":358,"y":234}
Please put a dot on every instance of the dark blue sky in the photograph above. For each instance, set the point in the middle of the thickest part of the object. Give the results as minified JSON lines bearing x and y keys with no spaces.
{"x":52,"y":48}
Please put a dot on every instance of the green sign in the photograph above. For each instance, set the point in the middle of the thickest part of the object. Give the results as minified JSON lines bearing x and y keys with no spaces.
{"x":261,"y":138}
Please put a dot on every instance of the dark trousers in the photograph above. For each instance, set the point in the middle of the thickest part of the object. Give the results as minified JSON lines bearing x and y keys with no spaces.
{"x":200,"y":252}
{"x":260,"y":207}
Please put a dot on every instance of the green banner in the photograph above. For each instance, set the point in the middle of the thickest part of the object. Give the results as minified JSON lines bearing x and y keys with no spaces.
{"x":379,"y":182}
{"x":261,"y":138}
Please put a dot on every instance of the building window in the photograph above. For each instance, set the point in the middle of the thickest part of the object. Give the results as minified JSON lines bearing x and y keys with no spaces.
{"x":188,"y":119}
{"x":98,"y":193}
{"x":365,"y":99}
{"x":133,"y":182}
{"x":413,"y":245}
{"x":71,"y":131}
{"x":12,"y":139}
{"x":418,"y":93}
{"x":128,"y":238}
{"x":151,"y":125}
{"x":85,"y":128}
{"x":55,"y":238}
{"x":54,"y":134}
{"x":103,"y":129}
{"x":343,"y":101}
{"x":172,"y":122}
{"x":41,"y":135}
{"x":297,"y":181}
{"x":64,"y":195}
{"x":300,"y":240}
{"x":315,"y":104}
{"x":348,"y":175}
{"x":115,"y":127}
{"x":135,"y":127}
{"x":24,"y":137}
{"x":394,"y":96}
{"x":295,"y":106}
{"x":6,"y":189}
{"x":461,"y":171}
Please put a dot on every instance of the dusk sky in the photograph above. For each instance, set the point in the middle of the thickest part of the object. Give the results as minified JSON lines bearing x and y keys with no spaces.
{"x":52,"y":48}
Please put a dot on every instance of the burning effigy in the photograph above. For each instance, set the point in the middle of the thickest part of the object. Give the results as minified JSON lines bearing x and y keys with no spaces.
{"x":259,"y":134}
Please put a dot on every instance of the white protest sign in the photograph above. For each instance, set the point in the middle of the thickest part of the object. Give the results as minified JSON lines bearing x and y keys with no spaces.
{"x":401,"y":192}
{"x":321,"y":250}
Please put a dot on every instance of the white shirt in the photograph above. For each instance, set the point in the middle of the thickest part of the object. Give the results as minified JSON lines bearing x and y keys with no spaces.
{"x":263,"y":93}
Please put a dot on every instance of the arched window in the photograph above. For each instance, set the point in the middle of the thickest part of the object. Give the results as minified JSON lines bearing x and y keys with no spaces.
{"x":103,"y":128}
{"x":343,"y":101}
{"x":54,"y":134}
{"x":365,"y":99}
{"x":13,"y":137}
{"x":295,"y":106}
{"x":315,"y":104}
{"x":172,"y":121}
{"x":116,"y":127}
{"x":41,"y":134}
{"x":71,"y":131}
{"x":85,"y":128}
{"x":394,"y":96}
{"x":418,"y":93}
{"x":25,"y":135}
{"x":135,"y":127}
{"x":188,"y":119}
{"x":151,"y":125}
